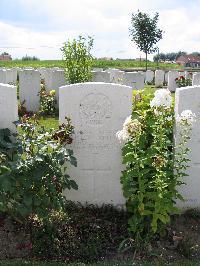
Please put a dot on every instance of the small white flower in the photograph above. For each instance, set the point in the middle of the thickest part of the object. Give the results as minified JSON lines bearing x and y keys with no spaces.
{"x":169,"y":118}
{"x":162,"y":98}
{"x":122,"y":136}
{"x":127,"y":121}
{"x":131,"y":128}
{"x":186,"y":117}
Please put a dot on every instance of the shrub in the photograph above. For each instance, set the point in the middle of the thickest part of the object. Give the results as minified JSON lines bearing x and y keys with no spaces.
{"x":78,"y":59}
{"x":47,"y":102}
{"x":153,"y":170}
{"x":33,"y":170}
{"x":181,"y":81}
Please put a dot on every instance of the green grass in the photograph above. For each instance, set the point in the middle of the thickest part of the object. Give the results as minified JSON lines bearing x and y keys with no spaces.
{"x":123,"y":64}
{"x":50,"y":122}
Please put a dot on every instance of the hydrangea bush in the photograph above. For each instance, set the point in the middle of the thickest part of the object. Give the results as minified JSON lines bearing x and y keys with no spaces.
{"x":153,"y":170}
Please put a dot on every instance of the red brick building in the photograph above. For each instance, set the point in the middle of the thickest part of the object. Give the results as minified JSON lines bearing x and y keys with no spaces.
{"x":188,"y":60}
{"x":5,"y":57}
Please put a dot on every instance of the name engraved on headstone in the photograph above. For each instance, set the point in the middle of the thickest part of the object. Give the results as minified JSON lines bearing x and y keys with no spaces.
{"x":103,"y":140}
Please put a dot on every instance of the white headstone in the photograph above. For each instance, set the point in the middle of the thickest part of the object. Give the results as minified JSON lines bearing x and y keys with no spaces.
{"x":116,"y":75}
{"x":8,"y":106}
{"x":46,"y":74}
{"x":57,"y":80}
{"x":3,"y":78}
{"x":29,"y":89}
{"x":42,"y":72}
{"x":149,"y":76}
{"x":187,"y":98}
{"x":134,"y":80}
{"x":97,"y":69}
{"x":11,"y":76}
{"x":98,"y":111}
{"x":196,"y":79}
{"x":166,"y":77}
{"x":101,"y":76}
{"x":159,"y":78}
{"x":172,"y":75}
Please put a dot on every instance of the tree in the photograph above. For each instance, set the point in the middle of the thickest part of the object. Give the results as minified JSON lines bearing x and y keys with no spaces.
{"x":30,"y":58}
{"x":78,"y":59}
{"x":144,"y":32}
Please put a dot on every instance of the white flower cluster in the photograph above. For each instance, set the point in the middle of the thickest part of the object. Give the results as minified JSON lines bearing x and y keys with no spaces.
{"x":130,"y":129}
{"x":186,"y":117}
{"x":162,"y":98}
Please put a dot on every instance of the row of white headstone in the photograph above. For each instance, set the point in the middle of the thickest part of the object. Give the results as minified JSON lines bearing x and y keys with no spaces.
{"x":30,"y":79}
{"x":29,"y":82}
{"x":30,"y":85}
{"x":97,"y":111}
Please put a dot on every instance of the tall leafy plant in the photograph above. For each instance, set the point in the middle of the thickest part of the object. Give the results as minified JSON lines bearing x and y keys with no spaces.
{"x":78,"y":59}
{"x":149,"y":181}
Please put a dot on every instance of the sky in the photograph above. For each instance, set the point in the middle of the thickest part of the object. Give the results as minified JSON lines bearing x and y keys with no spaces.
{"x":40,"y":27}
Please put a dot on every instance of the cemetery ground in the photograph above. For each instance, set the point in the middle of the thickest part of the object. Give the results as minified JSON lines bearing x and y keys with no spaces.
{"x":91,"y":234}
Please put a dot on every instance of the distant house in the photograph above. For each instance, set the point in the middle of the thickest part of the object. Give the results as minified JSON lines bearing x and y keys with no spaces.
{"x":188,"y":60}
{"x":5,"y":57}
{"x":140,"y":59}
{"x":106,"y":58}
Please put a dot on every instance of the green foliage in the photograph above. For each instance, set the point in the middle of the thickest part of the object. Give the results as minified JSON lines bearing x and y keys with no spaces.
{"x":168,"y":56}
{"x":33,"y":170}
{"x":153,"y":172}
{"x":144,"y":32}
{"x":78,"y":59}
{"x":47,"y":102}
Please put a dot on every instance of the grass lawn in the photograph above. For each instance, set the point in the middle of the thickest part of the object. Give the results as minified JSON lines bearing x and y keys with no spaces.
{"x":50,"y":122}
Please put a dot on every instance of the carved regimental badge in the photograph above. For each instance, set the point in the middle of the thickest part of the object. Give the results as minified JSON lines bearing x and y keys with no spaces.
{"x":95,"y":108}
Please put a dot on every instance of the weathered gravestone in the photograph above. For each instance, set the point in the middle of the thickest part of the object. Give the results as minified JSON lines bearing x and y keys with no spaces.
{"x":98,"y":111}
{"x":172,"y":75}
{"x":8,"y":106}
{"x":3,"y":76}
{"x":11,"y":76}
{"x":53,"y":78}
{"x":116,"y":75}
{"x":188,"y":98}
{"x":134,"y":80}
{"x":57,"y":80}
{"x":196,"y":79}
{"x":97,"y":69}
{"x":101,"y":76}
{"x":166,"y":77}
{"x":159,"y":78}
{"x":46,"y":74}
{"x":29,"y":89}
{"x":149,"y":76}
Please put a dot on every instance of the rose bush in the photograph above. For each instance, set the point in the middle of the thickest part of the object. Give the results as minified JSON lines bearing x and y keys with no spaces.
{"x":181,"y":81}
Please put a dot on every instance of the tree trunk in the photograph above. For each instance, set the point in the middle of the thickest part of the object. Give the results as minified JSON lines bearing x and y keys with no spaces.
{"x":146,"y":61}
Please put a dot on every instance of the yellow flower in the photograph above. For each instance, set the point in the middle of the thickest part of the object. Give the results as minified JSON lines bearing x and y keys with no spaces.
{"x":52,"y":93}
